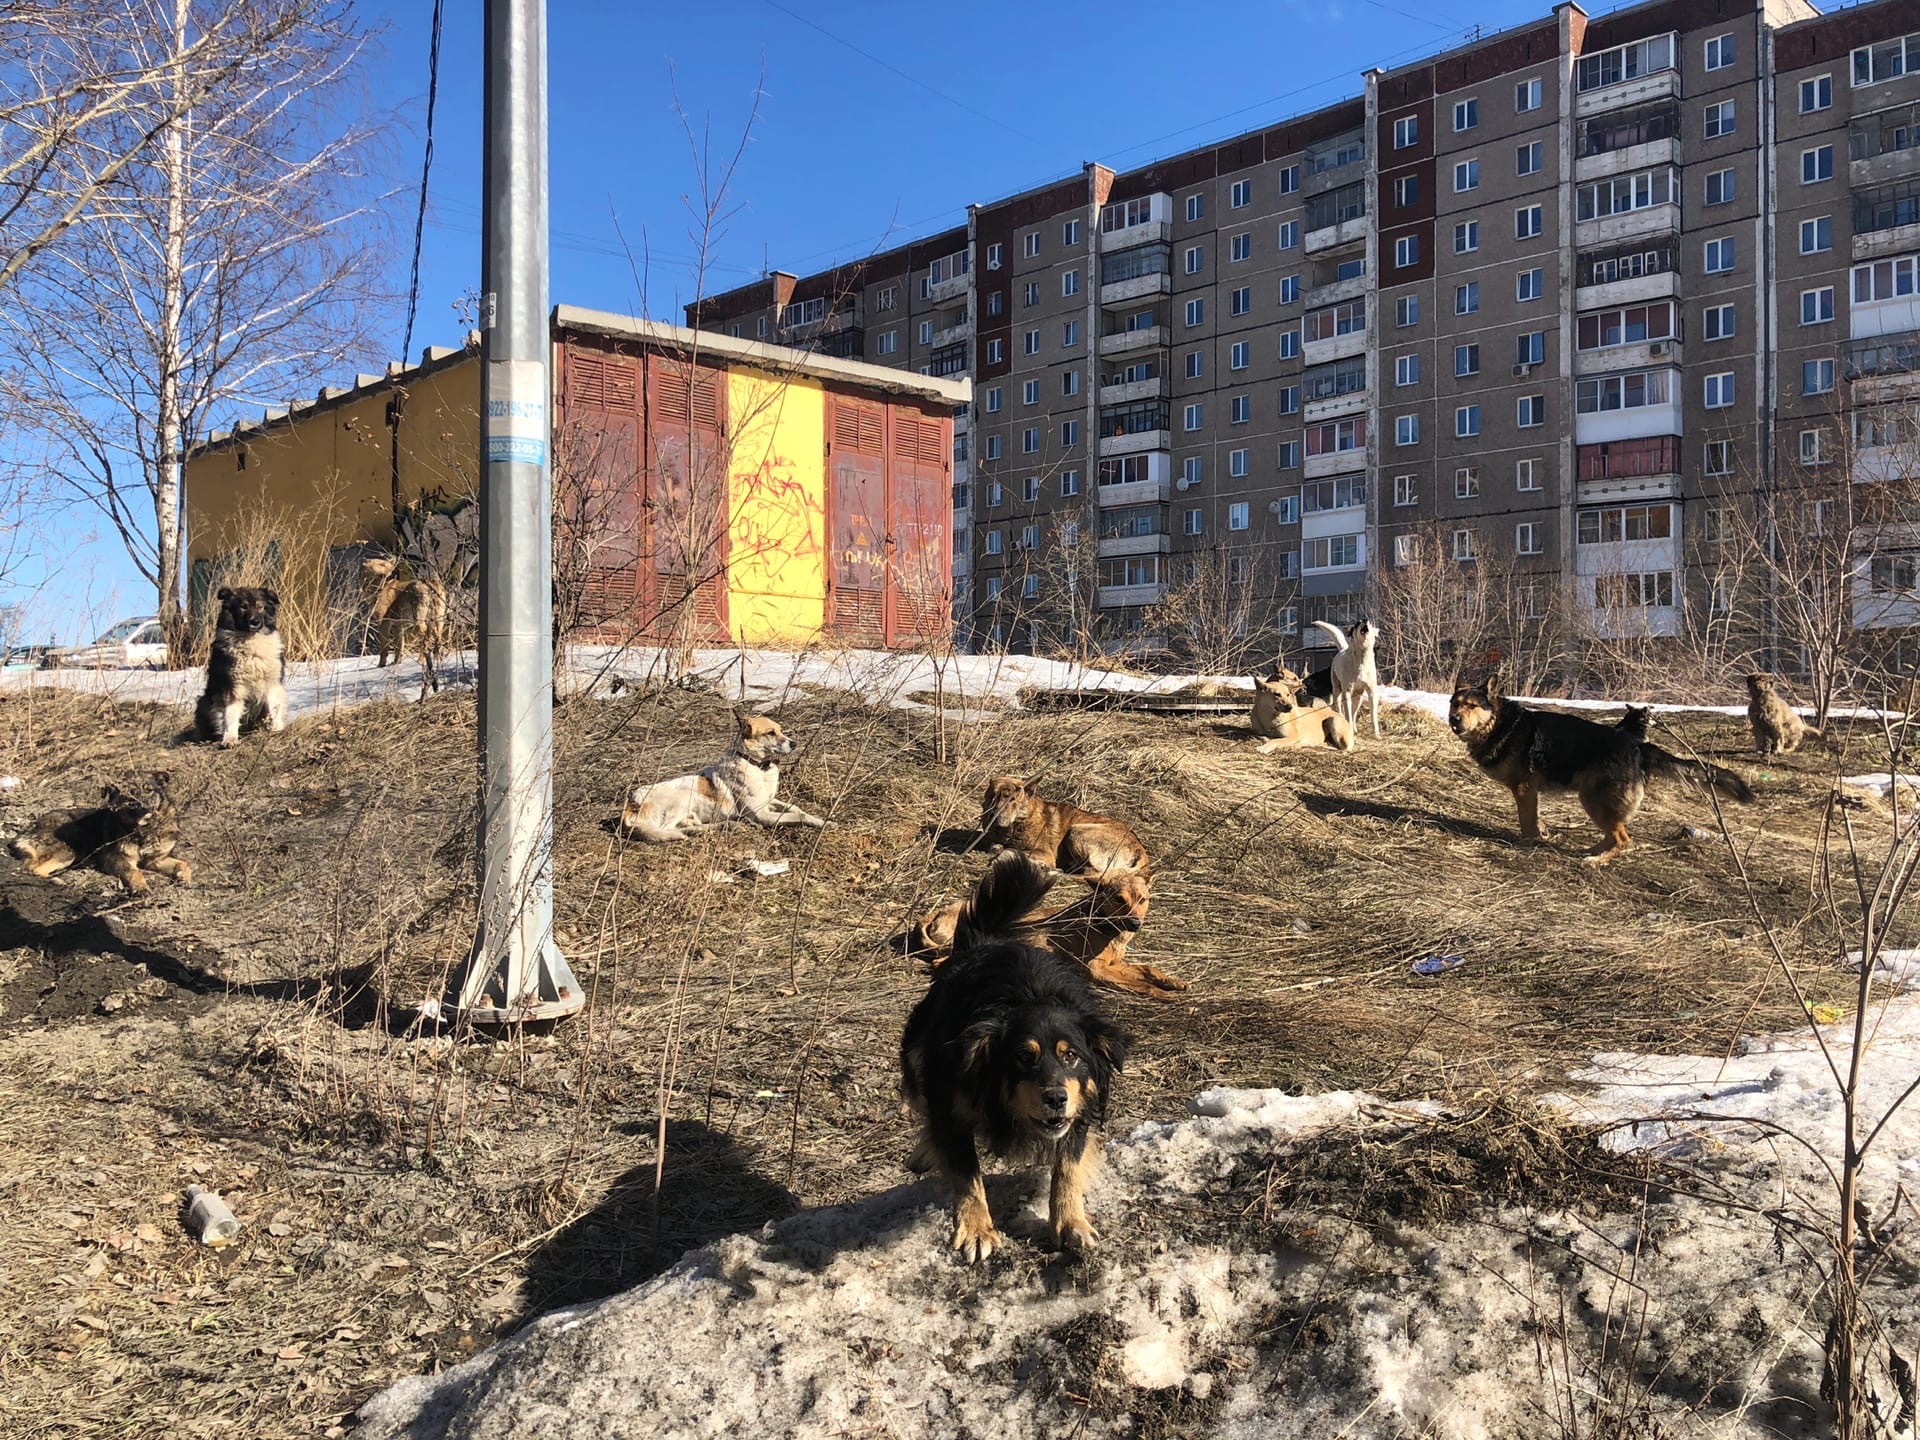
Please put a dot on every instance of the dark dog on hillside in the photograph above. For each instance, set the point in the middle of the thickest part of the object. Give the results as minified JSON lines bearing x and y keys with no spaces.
{"x":1008,"y":1049}
{"x":1072,"y":840}
{"x":247,"y":668}
{"x":126,"y":835}
{"x":1095,"y":932}
{"x":1607,"y":766}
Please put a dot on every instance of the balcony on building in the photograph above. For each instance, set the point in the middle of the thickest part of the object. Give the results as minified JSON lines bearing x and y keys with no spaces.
{"x":1629,"y":405}
{"x":1334,"y":389}
{"x":1335,"y":447}
{"x":1136,"y":426}
{"x":1142,"y":529}
{"x":1138,"y":273}
{"x":948,"y":359}
{"x":1627,"y":75}
{"x":1627,"y":337}
{"x":1883,"y":368}
{"x":1131,"y":580}
{"x":1647,"y":468}
{"x":1135,"y":479}
{"x":1336,"y":275}
{"x":1335,"y":162}
{"x":1141,"y":379}
{"x":1883,"y":146}
{"x":1615,"y":140}
{"x":1886,"y":444}
{"x":1333,"y":506}
{"x":946,"y":278}
{"x":1139,"y":326}
{"x":1334,"y":332}
{"x":806,"y":323}
{"x":1336,"y":217}
{"x":952,"y":326}
{"x":1143,"y":220}
{"x":1643,"y":269}
{"x":1615,"y":209}
{"x":1626,"y":564}
{"x":1886,"y":220}
{"x":1886,"y":582}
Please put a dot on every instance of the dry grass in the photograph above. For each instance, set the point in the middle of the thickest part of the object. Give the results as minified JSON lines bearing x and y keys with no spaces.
{"x":407,"y":1199}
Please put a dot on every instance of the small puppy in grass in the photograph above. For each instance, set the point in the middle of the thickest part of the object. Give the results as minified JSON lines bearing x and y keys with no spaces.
{"x":1094,"y":931}
{"x":1073,"y":841}
{"x":1009,"y":1050}
{"x":247,"y":668}
{"x":1284,"y":712}
{"x":1777,"y":730}
{"x":126,"y":835}
{"x":743,"y":784}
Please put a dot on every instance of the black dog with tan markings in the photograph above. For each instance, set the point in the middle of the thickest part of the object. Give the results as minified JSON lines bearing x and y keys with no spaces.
{"x":1607,"y":766}
{"x":1009,"y":1049}
{"x":125,"y":836}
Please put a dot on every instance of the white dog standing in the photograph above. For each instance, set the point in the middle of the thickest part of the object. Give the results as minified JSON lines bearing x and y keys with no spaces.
{"x":1354,"y":671}
{"x":743,"y":785}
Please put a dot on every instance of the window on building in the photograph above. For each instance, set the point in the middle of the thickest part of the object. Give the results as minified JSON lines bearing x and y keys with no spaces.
{"x":1289,"y":399}
{"x":1237,"y":515}
{"x":1406,"y":430}
{"x":1197,"y":311}
{"x":1406,"y":311}
{"x":1717,"y":119}
{"x":1466,"y":421}
{"x":996,"y":254}
{"x":1466,"y":359}
{"x":1718,"y":391}
{"x":1196,"y":207}
{"x":1237,"y":463}
{"x":1463,"y":545}
{"x":1719,"y":322}
{"x":1526,"y":475}
{"x":1529,"y":221}
{"x":1529,"y":411}
{"x":1406,"y":132}
{"x":1719,"y":255}
{"x":1717,"y":457}
{"x":1289,"y":289}
{"x":1029,"y":392}
{"x":1816,"y":306}
{"x":1816,"y":235}
{"x":1031,"y":243}
{"x":1816,"y":165}
{"x":1070,"y":382}
{"x":1816,"y":377}
{"x":1406,"y":191}
{"x":1239,"y":409}
{"x":1241,"y":301}
{"x":1241,"y":195}
{"x":1466,"y":237}
{"x":1816,"y":94}
{"x":887,"y":343}
{"x":1466,"y":114}
{"x":1466,"y":482}
{"x":1240,"y":247}
{"x":1032,"y":342}
{"x":1526,"y":96}
{"x":1526,"y":158}
{"x":1466,"y":298}
{"x":1720,"y":187}
{"x":1069,"y":283}
{"x":1530,"y":348}
{"x":1406,"y":251}
{"x":993,"y":447}
{"x":1526,"y":538}
{"x":1289,"y":344}
{"x":926,"y":332}
{"x":1406,"y":370}
{"x":1030,"y":293}
{"x":1195,"y":415}
{"x":1069,"y":485}
{"x":1069,"y":334}
{"x":1466,"y":176}
{"x":1030,"y":440}
{"x":1289,"y":179}
{"x":1195,"y":259}
{"x":1529,"y":284}
{"x":1289,"y":235}
{"x":995,"y":544}
{"x":1069,"y":432}
{"x":1193,"y":521}
{"x":1240,"y":355}
{"x":1070,"y":232}
{"x":995,"y":399}
{"x":1719,"y":52}
{"x":1813,"y":447}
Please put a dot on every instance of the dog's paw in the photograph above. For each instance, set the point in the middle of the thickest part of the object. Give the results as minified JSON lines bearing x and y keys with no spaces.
{"x":1074,"y":1234}
{"x":974,"y":1237}
{"x":227,"y":742}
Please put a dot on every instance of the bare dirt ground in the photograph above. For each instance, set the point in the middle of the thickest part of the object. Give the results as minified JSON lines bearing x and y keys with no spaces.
{"x":408,"y":1199}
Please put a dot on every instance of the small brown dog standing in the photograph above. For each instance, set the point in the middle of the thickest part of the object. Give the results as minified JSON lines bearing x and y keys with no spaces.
{"x":124,"y":837}
{"x":403,"y":610}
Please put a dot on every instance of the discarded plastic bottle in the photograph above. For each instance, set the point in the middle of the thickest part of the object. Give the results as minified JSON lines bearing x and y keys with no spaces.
{"x":209,"y":1218}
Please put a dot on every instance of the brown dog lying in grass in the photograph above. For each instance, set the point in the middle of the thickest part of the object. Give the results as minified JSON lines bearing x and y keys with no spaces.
{"x":1065,"y":837}
{"x":125,"y":836}
{"x":1095,"y":931}
{"x":1289,"y":717}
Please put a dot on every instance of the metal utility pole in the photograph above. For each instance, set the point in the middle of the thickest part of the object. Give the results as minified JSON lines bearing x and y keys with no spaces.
{"x":515,"y":972}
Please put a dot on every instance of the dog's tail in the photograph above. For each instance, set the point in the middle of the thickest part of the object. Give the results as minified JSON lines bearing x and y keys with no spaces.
{"x":1334,"y":632}
{"x":1662,"y":762}
{"x":1010,"y":890}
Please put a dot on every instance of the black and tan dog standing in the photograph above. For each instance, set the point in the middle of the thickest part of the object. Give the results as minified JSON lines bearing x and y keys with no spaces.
{"x":1607,"y":766}
{"x":1008,"y":1050}
{"x":126,"y":835}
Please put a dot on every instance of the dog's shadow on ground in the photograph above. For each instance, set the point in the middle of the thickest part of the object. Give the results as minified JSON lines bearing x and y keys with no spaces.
{"x":707,"y":1189}
{"x":957,"y":840}
{"x":1340,"y":806}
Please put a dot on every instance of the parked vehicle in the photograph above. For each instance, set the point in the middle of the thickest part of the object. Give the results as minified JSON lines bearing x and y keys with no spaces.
{"x":130,"y":645}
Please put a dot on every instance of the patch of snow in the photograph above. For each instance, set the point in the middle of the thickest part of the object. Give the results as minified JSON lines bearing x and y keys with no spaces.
{"x":1898,"y":968}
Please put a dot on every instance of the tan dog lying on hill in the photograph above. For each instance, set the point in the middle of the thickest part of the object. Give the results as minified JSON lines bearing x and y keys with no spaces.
{"x":1094,"y":931}
{"x":1071,"y":840}
{"x":743,"y":784}
{"x":1284,"y":713}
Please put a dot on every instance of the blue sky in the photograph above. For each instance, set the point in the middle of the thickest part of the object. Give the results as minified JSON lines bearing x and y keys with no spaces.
{"x":876,"y":124}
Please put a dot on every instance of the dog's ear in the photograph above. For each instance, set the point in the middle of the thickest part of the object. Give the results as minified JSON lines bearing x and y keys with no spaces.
{"x":976,"y":1047}
{"x":743,"y":722}
{"x":1108,"y":1042}
{"x":223,"y":593}
{"x":272,"y":597}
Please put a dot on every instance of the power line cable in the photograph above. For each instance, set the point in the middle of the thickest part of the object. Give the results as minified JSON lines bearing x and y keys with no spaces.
{"x":426,"y":170}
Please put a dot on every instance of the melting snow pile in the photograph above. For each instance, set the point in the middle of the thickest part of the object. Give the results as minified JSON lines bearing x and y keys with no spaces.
{"x":1199,"y":1314}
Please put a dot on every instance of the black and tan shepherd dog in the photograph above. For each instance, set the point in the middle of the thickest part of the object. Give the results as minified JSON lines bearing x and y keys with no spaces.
{"x":1607,"y":766}
{"x":1009,"y":1050}
{"x":247,"y":668}
{"x":129,"y":833}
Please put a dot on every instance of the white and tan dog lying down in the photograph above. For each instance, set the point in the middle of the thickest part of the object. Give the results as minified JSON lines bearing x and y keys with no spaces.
{"x":743,"y":784}
{"x":1288,"y":716}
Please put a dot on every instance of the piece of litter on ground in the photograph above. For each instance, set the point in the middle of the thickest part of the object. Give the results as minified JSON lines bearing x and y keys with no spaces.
{"x":1827,"y":1014}
{"x":769,"y":867}
{"x":720,"y":877}
{"x":428,"y":1011}
{"x":1694,"y":832}
{"x":9,"y":782}
{"x":1438,"y":964}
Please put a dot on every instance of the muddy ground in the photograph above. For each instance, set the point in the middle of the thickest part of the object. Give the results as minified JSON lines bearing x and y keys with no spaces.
{"x":408,"y":1198}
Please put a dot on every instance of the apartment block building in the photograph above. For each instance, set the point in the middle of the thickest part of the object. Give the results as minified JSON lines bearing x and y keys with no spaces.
{"x":1559,"y":296}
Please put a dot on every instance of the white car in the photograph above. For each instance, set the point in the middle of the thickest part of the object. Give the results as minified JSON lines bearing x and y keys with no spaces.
{"x":130,"y":645}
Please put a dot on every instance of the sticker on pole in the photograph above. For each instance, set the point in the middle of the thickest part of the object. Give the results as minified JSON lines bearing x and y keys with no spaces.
{"x":516,"y":417}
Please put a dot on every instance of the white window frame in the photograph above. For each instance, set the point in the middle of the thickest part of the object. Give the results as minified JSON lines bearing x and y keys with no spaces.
{"x":1526,"y":96}
{"x":1717,"y":390}
{"x":1466,"y":482}
{"x":1526,"y":538}
{"x":1466,"y":422}
{"x":1239,"y":516}
{"x":1718,"y":52}
{"x":1466,"y":114}
{"x":1526,"y":475}
{"x":1406,"y":132}
{"x":1466,"y":175}
{"x":1031,"y":243}
{"x":1406,"y":491}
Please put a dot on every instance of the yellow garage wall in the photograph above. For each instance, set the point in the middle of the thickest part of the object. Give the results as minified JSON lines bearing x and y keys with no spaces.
{"x":777,"y":541}
{"x":322,"y":477}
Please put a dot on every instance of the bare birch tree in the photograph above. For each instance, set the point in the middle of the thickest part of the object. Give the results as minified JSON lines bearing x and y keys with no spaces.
{"x":228,"y":263}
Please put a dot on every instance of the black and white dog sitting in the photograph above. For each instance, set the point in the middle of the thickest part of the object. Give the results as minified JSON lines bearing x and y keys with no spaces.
{"x":246,"y":671}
